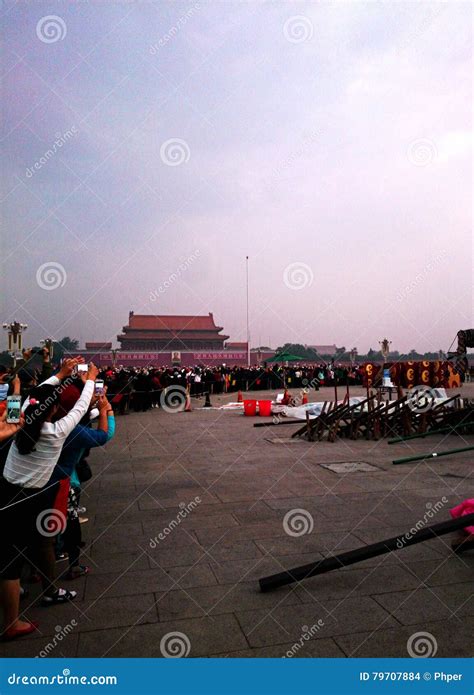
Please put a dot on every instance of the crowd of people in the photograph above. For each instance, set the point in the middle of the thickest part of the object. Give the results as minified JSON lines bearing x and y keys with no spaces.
{"x":140,"y":388}
{"x":43,"y":463}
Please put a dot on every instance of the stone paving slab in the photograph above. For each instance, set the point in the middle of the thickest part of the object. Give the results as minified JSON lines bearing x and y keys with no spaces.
{"x":31,"y":647}
{"x":449,"y":640}
{"x":452,"y":570}
{"x":327,"y":543}
{"x":115,"y":563}
{"x":258,"y":531}
{"x":206,"y":636}
{"x":165,"y":556}
{"x":166,"y":500}
{"x":216,"y":600}
{"x":110,"y":533}
{"x":251,"y":570}
{"x":192,"y":522}
{"x":287,"y":624}
{"x":144,"y":581}
{"x":410,"y":607}
{"x":108,"y":612}
{"x":314,"y":648}
{"x":358,"y":582}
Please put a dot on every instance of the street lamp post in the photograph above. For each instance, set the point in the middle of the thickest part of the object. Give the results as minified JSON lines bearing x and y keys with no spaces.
{"x":15,"y":343}
{"x":385,"y":348}
{"x":353,"y":355}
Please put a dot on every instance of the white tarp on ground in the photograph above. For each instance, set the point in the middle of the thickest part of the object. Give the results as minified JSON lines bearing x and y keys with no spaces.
{"x":313,"y":409}
{"x":350,"y":467}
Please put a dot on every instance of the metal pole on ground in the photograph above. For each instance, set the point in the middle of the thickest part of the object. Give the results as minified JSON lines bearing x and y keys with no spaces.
{"x":434,"y":455}
{"x":422,"y":435}
{"x":352,"y":556}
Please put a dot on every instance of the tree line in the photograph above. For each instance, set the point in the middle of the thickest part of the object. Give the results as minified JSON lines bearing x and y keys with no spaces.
{"x":344,"y":355}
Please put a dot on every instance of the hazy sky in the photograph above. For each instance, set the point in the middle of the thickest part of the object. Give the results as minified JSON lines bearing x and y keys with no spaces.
{"x":150,"y":146}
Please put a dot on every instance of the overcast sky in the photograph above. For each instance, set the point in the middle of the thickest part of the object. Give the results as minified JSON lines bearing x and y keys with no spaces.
{"x":150,"y":146}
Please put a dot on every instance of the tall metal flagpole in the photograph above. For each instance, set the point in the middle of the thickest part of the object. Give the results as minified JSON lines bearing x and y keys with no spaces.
{"x":248,"y":330}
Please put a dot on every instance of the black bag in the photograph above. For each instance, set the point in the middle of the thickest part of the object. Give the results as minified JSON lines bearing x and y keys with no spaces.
{"x":83,"y":471}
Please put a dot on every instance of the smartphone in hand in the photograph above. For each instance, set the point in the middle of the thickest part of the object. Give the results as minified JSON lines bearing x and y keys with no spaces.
{"x":13,"y":409}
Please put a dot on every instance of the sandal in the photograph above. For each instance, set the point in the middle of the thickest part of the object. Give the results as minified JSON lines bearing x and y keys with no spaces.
{"x":77,"y":571}
{"x":12,"y":634}
{"x":60,"y":596}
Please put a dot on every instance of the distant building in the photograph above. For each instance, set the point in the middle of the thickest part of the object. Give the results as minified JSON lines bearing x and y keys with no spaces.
{"x":242,"y":347}
{"x":324,"y":349}
{"x":179,"y":333}
{"x":99,"y":346}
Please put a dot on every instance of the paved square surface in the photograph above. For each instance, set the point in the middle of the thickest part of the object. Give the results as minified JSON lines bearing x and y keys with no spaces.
{"x":188,"y":510}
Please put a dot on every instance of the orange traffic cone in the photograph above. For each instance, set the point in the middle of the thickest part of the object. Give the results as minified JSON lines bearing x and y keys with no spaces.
{"x":304,"y":398}
{"x":240,"y":398}
{"x":286,"y":398}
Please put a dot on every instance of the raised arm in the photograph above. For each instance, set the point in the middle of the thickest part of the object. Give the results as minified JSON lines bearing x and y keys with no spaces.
{"x":66,"y":370}
{"x":65,"y":425}
{"x":47,"y":367}
{"x":106,"y":417}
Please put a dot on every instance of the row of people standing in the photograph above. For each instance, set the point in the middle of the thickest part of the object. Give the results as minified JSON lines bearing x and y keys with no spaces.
{"x":141,"y":388}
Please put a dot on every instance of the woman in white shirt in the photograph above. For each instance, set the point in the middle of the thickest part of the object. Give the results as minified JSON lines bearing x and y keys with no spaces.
{"x":25,"y":497}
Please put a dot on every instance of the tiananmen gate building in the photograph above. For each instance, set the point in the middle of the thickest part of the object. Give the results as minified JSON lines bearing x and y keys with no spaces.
{"x":160,"y":340}
{"x":182,"y":333}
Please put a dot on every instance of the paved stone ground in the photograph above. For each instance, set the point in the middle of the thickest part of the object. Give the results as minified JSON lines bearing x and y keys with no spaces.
{"x":201,"y":580}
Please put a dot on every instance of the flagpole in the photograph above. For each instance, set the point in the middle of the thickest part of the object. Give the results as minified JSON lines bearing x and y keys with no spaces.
{"x":248,"y":329}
